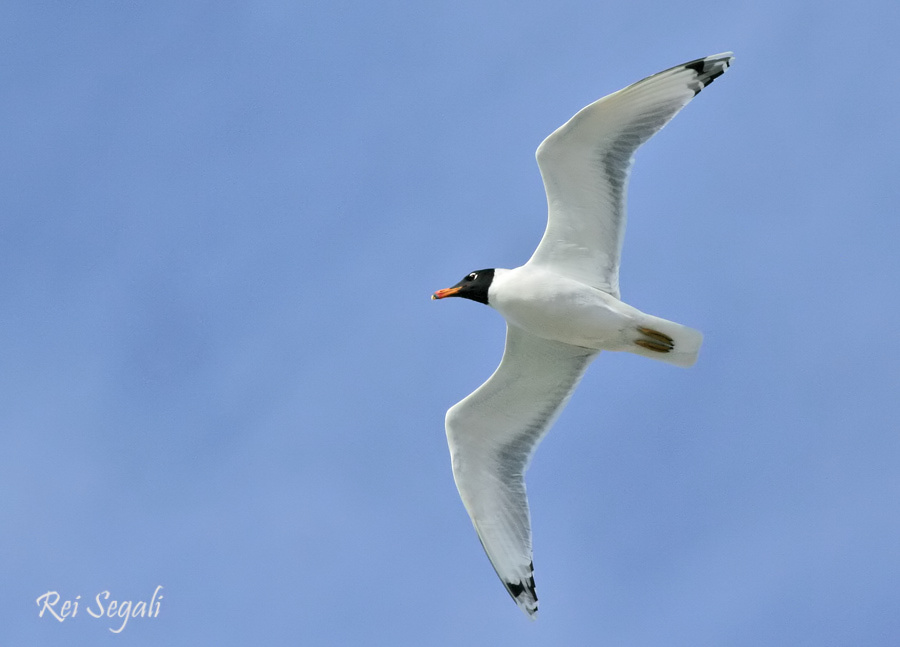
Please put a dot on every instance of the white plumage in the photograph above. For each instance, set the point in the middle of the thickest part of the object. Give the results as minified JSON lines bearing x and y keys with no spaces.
{"x":562,"y":307}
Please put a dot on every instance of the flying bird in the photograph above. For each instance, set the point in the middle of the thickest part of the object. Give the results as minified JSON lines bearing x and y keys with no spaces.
{"x":562,"y":308}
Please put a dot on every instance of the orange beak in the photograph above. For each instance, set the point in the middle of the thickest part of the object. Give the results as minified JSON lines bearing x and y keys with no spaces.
{"x":446,"y":292}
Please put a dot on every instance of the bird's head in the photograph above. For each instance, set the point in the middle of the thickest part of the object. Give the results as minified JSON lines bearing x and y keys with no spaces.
{"x":474,"y":286}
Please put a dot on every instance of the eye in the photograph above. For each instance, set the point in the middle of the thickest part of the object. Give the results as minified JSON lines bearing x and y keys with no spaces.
{"x":472,"y":276}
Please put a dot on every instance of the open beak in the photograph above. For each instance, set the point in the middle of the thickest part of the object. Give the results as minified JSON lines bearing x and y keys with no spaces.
{"x":446,"y":292}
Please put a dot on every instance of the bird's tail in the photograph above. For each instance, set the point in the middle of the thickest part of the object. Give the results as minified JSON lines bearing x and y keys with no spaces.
{"x":667,"y":341}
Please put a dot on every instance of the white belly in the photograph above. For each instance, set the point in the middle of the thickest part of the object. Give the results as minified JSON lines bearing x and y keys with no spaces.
{"x":555,"y":307}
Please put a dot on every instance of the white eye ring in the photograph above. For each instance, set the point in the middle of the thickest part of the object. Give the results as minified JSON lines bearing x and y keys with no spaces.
{"x":473,"y":276}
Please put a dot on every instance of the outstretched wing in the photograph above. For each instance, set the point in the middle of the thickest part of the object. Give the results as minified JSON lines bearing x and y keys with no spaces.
{"x":492,"y":435}
{"x":585,"y":165}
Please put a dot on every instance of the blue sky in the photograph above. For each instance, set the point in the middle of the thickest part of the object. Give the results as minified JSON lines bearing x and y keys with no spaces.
{"x":220,"y":226}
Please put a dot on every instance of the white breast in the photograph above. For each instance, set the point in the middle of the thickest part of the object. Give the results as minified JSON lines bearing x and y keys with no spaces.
{"x":555,"y":307}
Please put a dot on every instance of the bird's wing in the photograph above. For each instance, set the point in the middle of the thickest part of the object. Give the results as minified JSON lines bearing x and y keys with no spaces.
{"x":492,"y":435}
{"x":585,"y":165}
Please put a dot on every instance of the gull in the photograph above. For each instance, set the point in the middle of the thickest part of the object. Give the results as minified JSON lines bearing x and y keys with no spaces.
{"x":562,"y":308}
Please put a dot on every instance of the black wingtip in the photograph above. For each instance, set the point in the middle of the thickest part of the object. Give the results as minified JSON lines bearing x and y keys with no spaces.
{"x":523,"y":592}
{"x":708,"y":69}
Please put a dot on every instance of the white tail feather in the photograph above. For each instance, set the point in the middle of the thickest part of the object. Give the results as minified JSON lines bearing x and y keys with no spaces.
{"x":686,"y":342}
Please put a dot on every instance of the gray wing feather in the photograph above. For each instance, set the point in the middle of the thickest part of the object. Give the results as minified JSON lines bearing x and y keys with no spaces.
{"x":492,"y":435}
{"x":585,"y":166}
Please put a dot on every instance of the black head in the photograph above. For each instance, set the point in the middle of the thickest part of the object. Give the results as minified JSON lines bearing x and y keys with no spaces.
{"x":474,"y":286}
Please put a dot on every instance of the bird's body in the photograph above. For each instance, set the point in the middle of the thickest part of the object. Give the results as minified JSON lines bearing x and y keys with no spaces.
{"x":562,"y":308}
{"x":555,"y":307}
